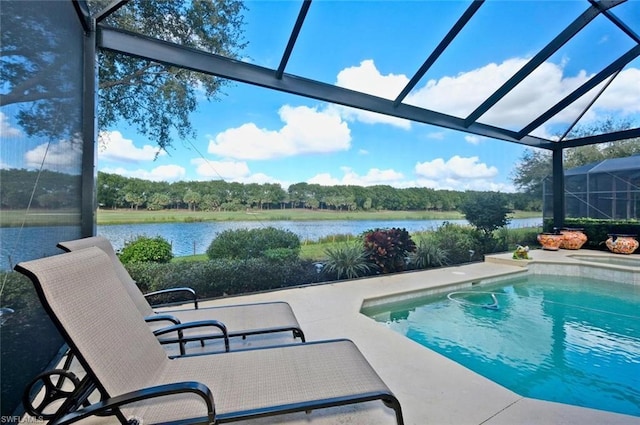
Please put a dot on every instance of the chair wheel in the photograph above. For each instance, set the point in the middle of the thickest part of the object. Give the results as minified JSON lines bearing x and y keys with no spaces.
{"x":57,"y":384}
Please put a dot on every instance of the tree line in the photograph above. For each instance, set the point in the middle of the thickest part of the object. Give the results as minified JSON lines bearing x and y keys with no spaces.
{"x":56,"y":190}
{"x":115,"y":191}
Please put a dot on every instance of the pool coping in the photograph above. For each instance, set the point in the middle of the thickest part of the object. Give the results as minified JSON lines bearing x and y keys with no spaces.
{"x":431,"y":388}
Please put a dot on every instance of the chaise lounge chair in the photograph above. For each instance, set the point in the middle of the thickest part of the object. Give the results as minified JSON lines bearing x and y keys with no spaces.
{"x":239,"y":320}
{"x":137,"y":381}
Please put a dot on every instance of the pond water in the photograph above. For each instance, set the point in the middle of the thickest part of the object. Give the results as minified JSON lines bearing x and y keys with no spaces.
{"x":194,"y":238}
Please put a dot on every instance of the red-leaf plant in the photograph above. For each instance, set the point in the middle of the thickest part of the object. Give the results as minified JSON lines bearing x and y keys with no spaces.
{"x":388,"y":249}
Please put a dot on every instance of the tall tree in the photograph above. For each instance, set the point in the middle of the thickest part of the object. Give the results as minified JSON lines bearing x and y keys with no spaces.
{"x":487,"y":212}
{"x":153,"y":98}
{"x":535,"y":164}
{"x":532,"y":169}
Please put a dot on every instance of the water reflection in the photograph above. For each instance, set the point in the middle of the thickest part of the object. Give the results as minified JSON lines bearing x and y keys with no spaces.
{"x":194,"y":238}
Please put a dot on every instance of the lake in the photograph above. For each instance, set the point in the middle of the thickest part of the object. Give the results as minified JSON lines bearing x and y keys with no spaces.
{"x":194,"y":238}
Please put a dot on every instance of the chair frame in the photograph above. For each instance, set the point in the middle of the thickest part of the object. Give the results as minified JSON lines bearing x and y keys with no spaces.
{"x":109,"y":404}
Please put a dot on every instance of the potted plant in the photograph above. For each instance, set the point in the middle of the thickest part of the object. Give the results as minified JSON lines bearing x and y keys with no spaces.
{"x":573,"y":238}
{"x":622,"y":244}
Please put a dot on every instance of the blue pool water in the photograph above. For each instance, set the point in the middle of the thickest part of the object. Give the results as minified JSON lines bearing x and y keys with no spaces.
{"x":569,"y":340}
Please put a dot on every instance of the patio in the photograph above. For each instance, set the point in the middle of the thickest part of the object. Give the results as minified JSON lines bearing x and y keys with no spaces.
{"x":431,"y":388}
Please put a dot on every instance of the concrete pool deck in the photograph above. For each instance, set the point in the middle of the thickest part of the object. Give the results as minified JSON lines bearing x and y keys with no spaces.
{"x":431,"y":388}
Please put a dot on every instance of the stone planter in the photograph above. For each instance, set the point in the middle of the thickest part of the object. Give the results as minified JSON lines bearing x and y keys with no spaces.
{"x":572,"y":238}
{"x":550,"y":241}
{"x":622,"y":244}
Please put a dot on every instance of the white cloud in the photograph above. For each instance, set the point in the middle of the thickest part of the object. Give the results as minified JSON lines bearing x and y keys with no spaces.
{"x":233,"y":171}
{"x":324,"y":179}
{"x":473,"y":139}
{"x":459,"y":95}
{"x":459,"y":185}
{"x":226,"y":170}
{"x":167,"y":173}
{"x":436,"y":135}
{"x":454,"y":174}
{"x":374,"y":176}
{"x":114,"y":147}
{"x":456,"y":168}
{"x":6,"y":129}
{"x":63,"y":156}
{"x":623,"y":94}
{"x":306,"y":130}
{"x":367,"y":79}
{"x":459,"y":173}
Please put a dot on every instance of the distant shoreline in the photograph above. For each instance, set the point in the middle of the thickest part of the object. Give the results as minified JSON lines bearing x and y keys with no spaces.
{"x":107,"y":217}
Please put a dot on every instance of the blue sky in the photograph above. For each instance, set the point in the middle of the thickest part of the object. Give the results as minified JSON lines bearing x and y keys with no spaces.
{"x":257,"y":135}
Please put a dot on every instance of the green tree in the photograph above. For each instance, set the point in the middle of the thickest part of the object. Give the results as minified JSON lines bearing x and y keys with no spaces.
{"x":158,"y":201}
{"x":486,"y":211}
{"x":535,"y":164}
{"x":192,"y":199}
{"x":134,"y":199}
{"x":110,"y":190}
{"x":154,"y":98}
{"x":531,"y":170}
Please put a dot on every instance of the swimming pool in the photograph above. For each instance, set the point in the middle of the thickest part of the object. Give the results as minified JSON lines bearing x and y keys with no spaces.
{"x":563,"y":339}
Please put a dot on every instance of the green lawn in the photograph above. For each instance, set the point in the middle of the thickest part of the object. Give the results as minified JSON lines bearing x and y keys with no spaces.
{"x":106,"y":217}
{"x":164,"y":216}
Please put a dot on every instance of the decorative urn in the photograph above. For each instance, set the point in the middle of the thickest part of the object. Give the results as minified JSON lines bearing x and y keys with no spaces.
{"x":550,"y":241}
{"x":622,"y":244}
{"x":572,"y":238}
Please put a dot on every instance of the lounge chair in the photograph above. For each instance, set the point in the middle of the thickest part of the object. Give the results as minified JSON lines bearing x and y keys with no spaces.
{"x":240,"y":320}
{"x":136,"y":379}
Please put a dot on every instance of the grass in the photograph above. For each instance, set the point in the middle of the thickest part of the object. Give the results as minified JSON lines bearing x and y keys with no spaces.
{"x":15,"y":218}
{"x":106,"y":217}
{"x":309,"y":251}
{"x":12,"y":218}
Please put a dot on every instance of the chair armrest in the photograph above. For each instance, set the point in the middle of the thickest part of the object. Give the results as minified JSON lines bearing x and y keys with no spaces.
{"x":191,"y":293}
{"x":192,"y":325}
{"x":162,"y":318}
{"x":105,"y":406}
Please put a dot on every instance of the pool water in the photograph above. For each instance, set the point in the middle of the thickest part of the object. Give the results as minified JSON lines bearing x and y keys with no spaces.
{"x":569,"y":340}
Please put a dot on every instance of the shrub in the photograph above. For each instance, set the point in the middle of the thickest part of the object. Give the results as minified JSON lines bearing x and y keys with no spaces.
{"x":348,"y":259}
{"x":216,"y":278}
{"x":458,"y":241}
{"x":339,"y":237}
{"x":429,"y":254}
{"x":145,"y":249}
{"x":253,"y":243}
{"x":18,"y":292}
{"x":281,"y":254}
{"x":486,"y":211}
{"x":511,"y":238}
{"x":388,"y":249}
